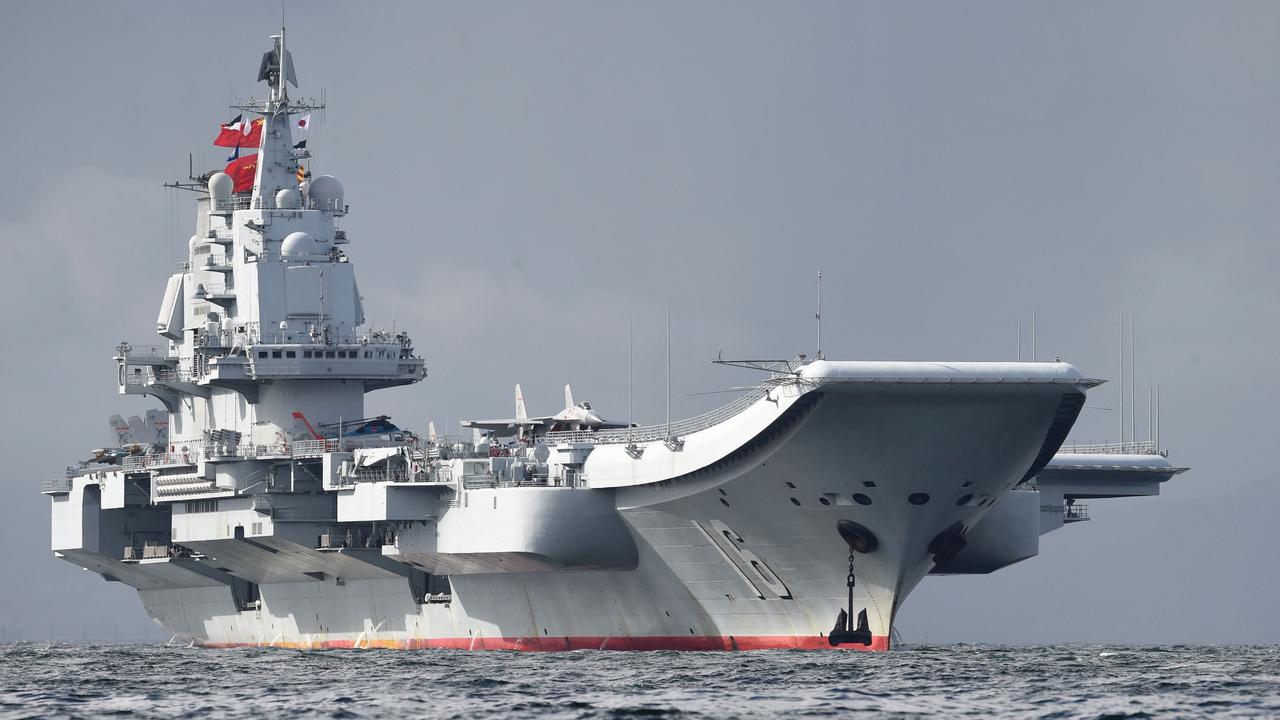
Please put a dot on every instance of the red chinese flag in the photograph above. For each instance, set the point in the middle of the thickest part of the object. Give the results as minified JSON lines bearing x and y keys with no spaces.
{"x":253,"y":138}
{"x":242,"y":171}
{"x":240,"y":134}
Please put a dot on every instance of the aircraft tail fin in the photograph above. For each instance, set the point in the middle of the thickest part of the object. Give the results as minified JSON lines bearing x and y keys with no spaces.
{"x":120,"y":431}
{"x":138,"y":430}
{"x":159,"y":420}
{"x":568,"y":397}
{"x":520,"y":412}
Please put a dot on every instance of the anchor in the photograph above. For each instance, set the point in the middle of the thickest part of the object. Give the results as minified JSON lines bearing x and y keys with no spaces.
{"x":859,"y":539}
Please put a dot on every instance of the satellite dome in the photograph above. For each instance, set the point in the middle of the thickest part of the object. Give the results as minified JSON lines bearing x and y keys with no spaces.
{"x":220,"y":186}
{"x":326,"y":193}
{"x":287,"y":199}
{"x":299,"y":243}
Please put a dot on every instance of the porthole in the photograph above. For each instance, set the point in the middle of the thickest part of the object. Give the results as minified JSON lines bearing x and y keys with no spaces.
{"x":824,"y":501}
{"x":722,"y":492}
{"x":918,"y":498}
{"x":861,"y":499}
{"x":868,"y":483}
{"x":795,"y":501}
{"x":724,"y":502}
{"x":964,"y":500}
{"x":966,"y":483}
{"x":790,"y":484}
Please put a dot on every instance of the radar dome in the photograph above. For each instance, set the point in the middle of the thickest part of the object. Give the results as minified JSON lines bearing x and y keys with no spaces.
{"x":220,"y":186}
{"x":299,"y":243}
{"x":326,"y":192}
{"x":287,"y":199}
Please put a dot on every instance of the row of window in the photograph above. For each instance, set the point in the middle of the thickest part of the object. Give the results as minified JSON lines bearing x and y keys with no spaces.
{"x":353,"y":354}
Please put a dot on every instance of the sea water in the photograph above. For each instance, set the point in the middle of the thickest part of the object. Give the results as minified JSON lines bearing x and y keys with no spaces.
{"x":1076,"y":681}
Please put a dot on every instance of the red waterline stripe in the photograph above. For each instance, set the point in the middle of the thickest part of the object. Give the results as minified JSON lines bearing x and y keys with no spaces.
{"x":554,"y":644}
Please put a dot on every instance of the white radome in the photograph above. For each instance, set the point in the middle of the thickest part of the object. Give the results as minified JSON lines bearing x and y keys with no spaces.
{"x":220,"y":186}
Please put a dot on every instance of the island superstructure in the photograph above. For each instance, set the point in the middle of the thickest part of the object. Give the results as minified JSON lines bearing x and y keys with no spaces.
{"x":273,"y":510}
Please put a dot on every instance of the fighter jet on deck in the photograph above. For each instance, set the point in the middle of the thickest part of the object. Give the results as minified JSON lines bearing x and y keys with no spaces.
{"x":134,"y":436}
{"x":574,"y":416}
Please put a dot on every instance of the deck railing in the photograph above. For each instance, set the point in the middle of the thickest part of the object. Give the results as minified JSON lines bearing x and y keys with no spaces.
{"x":1069,"y":513}
{"x":268,"y":202}
{"x":1143,"y":447}
{"x":56,"y":486}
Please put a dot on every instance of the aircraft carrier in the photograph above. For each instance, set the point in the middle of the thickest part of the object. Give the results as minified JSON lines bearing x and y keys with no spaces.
{"x":267,"y":506}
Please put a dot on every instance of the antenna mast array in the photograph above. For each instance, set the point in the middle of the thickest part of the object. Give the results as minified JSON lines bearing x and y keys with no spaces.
{"x":818,"y":316}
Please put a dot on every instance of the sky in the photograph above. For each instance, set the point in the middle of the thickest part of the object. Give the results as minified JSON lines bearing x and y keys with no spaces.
{"x":529,"y":180}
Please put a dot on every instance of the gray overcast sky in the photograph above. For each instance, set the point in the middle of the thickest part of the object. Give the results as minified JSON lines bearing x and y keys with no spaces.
{"x":527,"y":177}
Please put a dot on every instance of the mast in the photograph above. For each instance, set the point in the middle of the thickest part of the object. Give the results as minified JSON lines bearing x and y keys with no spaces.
{"x":630,"y":381}
{"x":1123,"y":420}
{"x":1133,"y":382}
{"x":1033,"y":336}
{"x":282,"y":91}
{"x":818,"y":316}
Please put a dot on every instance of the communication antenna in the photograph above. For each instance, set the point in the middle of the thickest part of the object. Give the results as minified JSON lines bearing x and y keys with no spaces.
{"x":1133,"y":382}
{"x":818,"y":316}
{"x":1151,"y":413}
{"x":1033,"y":336}
{"x":668,"y":372}
{"x":1157,"y":418}
{"x":630,"y":354}
{"x":1123,"y":423}
{"x":1019,"y":339}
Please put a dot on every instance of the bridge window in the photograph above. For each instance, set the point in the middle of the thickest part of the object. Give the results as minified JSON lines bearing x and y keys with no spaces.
{"x":262,"y":354}
{"x":275,"y":354}
{"x":329,"y":354}
{"x":290,"y":354}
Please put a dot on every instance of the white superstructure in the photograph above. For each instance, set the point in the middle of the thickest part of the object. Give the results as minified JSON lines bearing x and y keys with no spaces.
{"x":276,"y":512}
